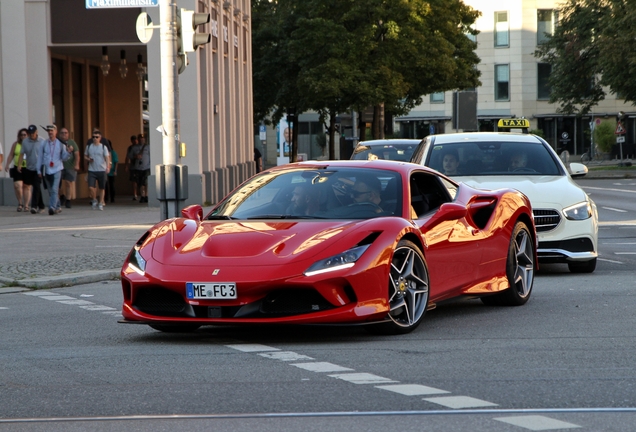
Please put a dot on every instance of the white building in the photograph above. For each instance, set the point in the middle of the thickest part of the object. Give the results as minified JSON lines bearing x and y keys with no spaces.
{"x":514,"y":82}
{"x":51,"y":71}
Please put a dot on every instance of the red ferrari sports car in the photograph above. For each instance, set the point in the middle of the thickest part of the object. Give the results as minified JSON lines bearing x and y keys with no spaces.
{"x":377,"y":242}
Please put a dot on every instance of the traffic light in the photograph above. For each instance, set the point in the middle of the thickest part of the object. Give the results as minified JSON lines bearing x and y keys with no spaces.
{"x":190,"y":20}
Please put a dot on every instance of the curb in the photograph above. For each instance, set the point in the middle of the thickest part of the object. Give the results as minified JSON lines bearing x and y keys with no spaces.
{"x":61,"y":280}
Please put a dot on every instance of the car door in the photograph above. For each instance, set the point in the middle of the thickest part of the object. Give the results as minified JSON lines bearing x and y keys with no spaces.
{"x":452,"y":252}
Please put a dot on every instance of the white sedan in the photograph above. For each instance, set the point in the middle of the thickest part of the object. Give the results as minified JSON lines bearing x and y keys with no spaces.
{"x":566,"y":218}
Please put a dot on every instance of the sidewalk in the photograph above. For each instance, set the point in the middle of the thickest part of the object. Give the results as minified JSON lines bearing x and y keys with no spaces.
{"x":79,"y":245}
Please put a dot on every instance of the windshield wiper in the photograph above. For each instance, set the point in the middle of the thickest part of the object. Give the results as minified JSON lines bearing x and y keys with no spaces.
{"x":284,"y":216}
{"x":220,"y":217}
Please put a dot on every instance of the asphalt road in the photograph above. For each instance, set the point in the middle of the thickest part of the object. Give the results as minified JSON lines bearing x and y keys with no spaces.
{"x":564,"y":360}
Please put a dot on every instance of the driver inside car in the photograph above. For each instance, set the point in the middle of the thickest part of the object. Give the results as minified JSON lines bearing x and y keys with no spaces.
{"x":517,"y":161}
{"x":367,"y":191}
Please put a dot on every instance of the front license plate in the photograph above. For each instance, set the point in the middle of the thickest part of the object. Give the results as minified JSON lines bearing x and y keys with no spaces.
{"x":205,"y":290}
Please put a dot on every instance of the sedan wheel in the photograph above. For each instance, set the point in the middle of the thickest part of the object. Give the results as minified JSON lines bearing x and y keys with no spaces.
{"x":519,"y":270}
{"x":408,"y":290}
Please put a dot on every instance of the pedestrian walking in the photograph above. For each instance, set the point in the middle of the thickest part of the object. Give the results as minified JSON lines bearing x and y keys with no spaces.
{"x":143,"y":168}
{"x":98,"y":159}
{"x":132,"y":150}
{"x":13,"y":157}
{"x":258,"y":160}
{"x":31,"y":151}
{"x":112,"y":175}
{"x":54,"y":152}
{"x":69,"y":172}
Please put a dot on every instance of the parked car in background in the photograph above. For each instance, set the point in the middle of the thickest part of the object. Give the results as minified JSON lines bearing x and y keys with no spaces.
{"x":566,"y":218}
{"x":387,"y":149}
{"x":366,"y":242}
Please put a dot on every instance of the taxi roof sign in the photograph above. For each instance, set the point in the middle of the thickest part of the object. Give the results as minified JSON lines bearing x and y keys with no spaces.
{"x":513,"y":123}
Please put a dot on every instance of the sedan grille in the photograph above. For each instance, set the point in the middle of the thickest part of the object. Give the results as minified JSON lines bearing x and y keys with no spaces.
{"x":546,"y":220}
{"x":293,"y":302}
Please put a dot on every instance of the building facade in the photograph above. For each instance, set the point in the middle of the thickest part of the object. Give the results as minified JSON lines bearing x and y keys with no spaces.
{"x":81,"y":68}
{"x":515,"y":82}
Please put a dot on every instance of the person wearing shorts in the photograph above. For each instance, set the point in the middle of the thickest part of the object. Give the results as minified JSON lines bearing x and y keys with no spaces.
{"x":69,"y":173}
{"x":142,"y":171}
{"x":98,"y":159}
{"x":12,"y":158}
{"x":31,"y":151}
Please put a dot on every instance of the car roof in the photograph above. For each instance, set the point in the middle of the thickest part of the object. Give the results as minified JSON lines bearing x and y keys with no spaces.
{"x":390,"y":141}
{"x":484,"y":137}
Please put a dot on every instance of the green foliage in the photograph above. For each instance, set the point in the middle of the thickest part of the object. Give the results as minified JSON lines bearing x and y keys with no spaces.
{"x":337,"y":55}
{"x":604,"y":137}
{"x":537,"y":132}
{"x":593,"y":48}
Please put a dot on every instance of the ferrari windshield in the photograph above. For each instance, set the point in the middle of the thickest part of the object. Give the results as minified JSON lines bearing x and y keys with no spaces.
{"x":315,"y":193}
{"x":493,"y":158}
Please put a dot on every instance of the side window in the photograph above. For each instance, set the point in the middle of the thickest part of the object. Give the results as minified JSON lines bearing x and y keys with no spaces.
{"x":427,"y":193}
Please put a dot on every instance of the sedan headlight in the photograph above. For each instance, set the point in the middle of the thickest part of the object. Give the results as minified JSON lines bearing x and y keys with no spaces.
{"x":580,"y":211}
{"x":136,"y":261}
{"x":341,"y":261}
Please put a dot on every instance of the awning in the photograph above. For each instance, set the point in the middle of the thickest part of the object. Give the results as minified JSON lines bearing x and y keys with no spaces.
{"x":423,"y":118}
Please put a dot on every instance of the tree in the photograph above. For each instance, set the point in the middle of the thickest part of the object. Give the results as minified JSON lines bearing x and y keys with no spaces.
{"x":592,"y":49}
{"x":350,"y":54}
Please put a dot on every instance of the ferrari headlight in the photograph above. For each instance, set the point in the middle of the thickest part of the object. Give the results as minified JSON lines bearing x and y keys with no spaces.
{"x":136,"y":261}
{"x":580,"y":211}
{"x":341,"y":261}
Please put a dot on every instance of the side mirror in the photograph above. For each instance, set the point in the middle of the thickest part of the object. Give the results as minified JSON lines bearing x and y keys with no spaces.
{"x":577,"y":169}
{"x":194,"y":212}
{"x":451,"y":211}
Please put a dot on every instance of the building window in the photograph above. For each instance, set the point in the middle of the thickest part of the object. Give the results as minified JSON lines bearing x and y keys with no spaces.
{"x":437,"y":97}
{"x":543,"y":81}
{"x":502,"y":82}
{"x":501,"y":29}
{"x":546,"y":19}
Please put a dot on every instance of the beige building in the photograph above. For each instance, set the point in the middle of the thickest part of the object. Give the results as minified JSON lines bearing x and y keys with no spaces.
{"x":53,"y":59}
{"x":514,"y":82}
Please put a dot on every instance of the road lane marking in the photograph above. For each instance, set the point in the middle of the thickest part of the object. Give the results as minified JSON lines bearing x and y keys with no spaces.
{"x":251,"y":347}
{"x":57,"y":297}
{"x":537,"y":422}
{"x":72,"y":301}
{"x":611,"y":261}
{"x":608,"y":189}
{"x":411,"y":389}
{"x":76,"y":302}
{"x":98,"y":308}
{"x":285,"y":356}
{"x":615,"y":209}
{"x":625,"y":253}
{"x":321,"y":367}
{"x":460,"y":402}
{"x":362,"y":378}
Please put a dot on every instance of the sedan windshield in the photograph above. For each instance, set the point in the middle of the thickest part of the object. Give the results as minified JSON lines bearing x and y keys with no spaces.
{"x":493,"y":158}
{"x":314,"y":193}
{"x":393,"y":151}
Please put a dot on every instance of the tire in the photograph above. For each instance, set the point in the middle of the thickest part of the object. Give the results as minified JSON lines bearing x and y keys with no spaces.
{"x":408,"y":291}
{"x":582,"y":267}
{"x":175,"y":328}
{"x":520,"y":268}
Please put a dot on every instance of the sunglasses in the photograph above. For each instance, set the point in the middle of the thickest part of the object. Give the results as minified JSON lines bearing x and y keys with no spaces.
{"x":95,"y":136}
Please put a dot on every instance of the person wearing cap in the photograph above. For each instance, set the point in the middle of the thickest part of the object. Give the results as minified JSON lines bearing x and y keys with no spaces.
{"x":98,"y":159}
{"x":71,"y":167}
{"x":31,"y":151}
{"x":54,"y":153}
{"x":142,"y":168}
{"x":132,"y":150}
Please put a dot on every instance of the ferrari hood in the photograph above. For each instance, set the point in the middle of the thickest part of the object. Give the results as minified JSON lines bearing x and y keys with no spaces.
{"x":543,"y":191}
{"x":186,"y":242}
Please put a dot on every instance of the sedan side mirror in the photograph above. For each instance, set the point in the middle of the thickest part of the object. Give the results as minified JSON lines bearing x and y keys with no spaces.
{"x":194,"y":212}
{"x":577,"y":169}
